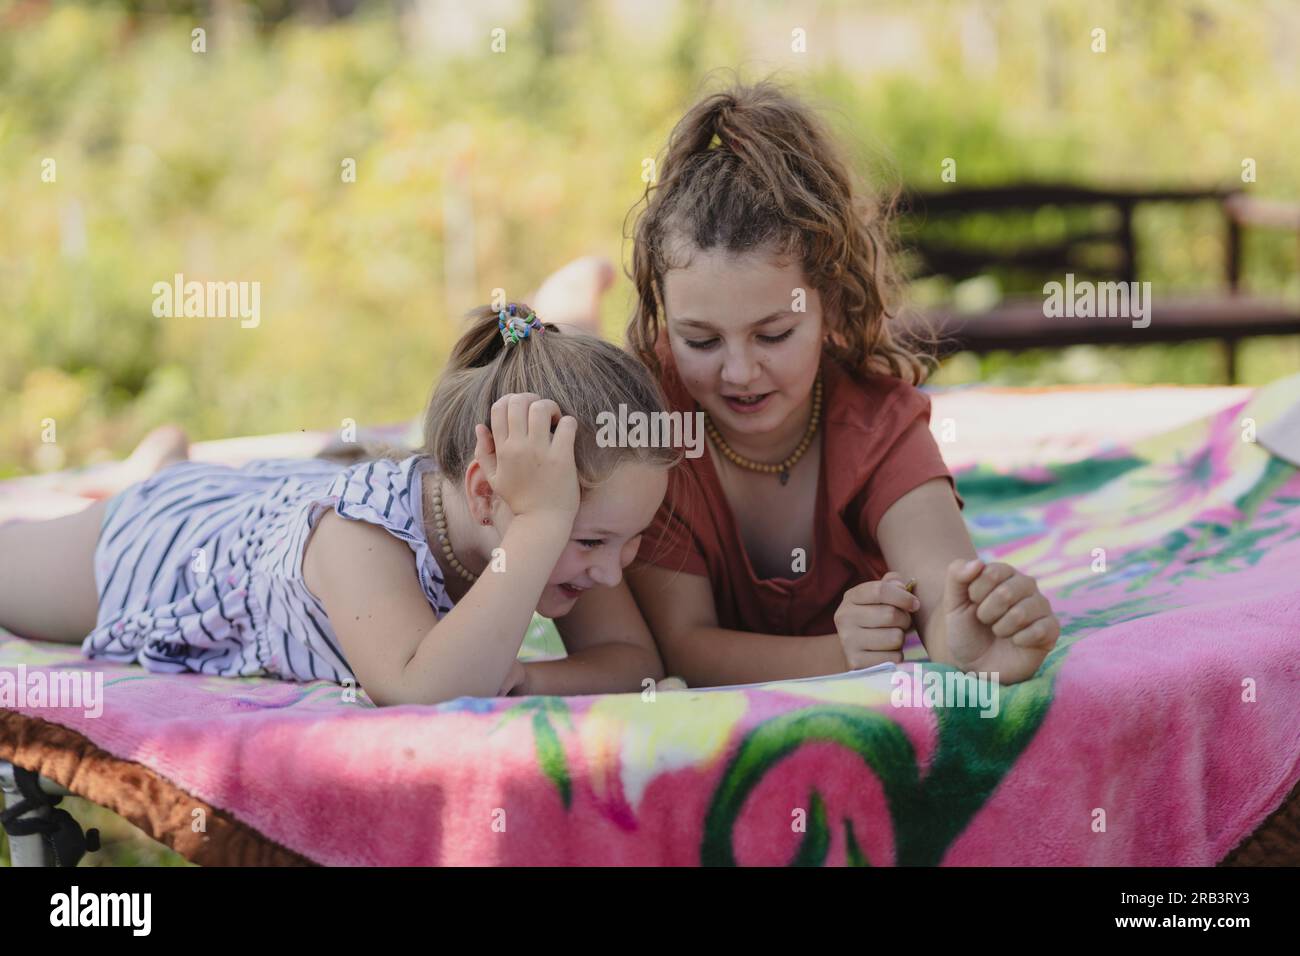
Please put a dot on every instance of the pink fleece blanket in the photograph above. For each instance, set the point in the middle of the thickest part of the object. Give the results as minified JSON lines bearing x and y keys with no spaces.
{"x":1162,"y":730}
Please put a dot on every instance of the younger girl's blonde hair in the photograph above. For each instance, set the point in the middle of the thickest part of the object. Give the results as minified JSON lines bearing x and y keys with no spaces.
{"x":583,"y":374}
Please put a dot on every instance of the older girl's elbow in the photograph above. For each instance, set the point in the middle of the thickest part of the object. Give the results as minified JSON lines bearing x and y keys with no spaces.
{"x":654,"y":665}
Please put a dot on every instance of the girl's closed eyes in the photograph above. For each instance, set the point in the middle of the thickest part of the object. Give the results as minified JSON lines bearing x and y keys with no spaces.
{"x":767,"y":339}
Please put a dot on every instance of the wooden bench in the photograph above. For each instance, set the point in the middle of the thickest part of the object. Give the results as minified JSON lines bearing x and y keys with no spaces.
{"x":1098,"y":246}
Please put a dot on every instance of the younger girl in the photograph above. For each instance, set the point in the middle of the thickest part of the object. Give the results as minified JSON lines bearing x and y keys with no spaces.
{"x":416,"y":577}
{"x":764,"y":292}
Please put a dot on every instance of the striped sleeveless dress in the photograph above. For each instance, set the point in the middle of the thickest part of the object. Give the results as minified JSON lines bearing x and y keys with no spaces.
{"x":199,"y":567}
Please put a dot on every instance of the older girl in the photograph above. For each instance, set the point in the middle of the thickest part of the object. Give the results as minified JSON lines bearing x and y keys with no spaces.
{"x":764,"y":301}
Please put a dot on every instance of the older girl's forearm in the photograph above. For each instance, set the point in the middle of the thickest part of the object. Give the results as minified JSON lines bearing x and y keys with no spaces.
{"x":721,"y":656}
{"x":933,"y":632}
{"x":603,"y":669}
{"x":469,"y":652}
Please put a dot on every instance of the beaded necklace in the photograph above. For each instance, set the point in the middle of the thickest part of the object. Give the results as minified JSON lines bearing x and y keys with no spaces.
{"x":782,"y":467}
{"x":440,"y":525}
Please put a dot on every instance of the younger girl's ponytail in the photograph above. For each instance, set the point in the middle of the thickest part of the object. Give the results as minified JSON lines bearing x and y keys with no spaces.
{"x":482,"y":341}
{"x":581,"y":373}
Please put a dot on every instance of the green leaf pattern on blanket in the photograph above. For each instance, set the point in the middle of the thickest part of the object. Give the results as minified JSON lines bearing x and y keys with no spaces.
{"x":817,"y":840}
{"x":984,"y":489}
{"x":1212,"y":548}
{"x":972,"y":756}
{"x":855,"y":855}
{"x":816,"y":844}
{"x":550,"y":751}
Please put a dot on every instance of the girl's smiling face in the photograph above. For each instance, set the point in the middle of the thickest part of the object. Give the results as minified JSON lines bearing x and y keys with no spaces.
{"x":605,"y":537}
{"x":742,"y":350}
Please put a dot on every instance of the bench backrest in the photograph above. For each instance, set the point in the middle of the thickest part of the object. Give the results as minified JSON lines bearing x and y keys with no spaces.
{"x":1033,"y":233}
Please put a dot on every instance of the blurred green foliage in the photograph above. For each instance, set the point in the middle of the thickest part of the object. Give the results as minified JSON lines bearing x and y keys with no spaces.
{"x":226,"y":165}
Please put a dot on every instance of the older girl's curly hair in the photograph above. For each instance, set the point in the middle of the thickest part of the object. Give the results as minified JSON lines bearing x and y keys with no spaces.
{"x":752,"y":167}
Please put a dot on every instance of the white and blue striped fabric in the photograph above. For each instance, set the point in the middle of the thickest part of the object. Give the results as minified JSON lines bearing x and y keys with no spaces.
{"x":199,"y":567}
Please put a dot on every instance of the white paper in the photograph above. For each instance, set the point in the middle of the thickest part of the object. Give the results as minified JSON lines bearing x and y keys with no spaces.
{"x":879,"y":668}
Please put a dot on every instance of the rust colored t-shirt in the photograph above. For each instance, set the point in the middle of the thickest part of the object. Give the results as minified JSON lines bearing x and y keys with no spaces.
{"x":876,"y":447}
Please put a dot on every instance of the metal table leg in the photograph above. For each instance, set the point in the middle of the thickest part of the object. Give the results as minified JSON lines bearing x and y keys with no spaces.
{"x":39,"y":833}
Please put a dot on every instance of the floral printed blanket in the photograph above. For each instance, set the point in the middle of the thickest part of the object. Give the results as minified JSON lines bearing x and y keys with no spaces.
{"x":1162,"y":730}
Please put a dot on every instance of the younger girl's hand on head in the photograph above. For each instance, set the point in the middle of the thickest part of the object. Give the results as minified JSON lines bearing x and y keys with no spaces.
{"x":873,"y":619}
{"x":997,"y":620}
{"x":531,"y":470}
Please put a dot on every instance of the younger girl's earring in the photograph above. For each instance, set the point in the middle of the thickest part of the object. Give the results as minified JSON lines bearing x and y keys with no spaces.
{"x":487,"y":521}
